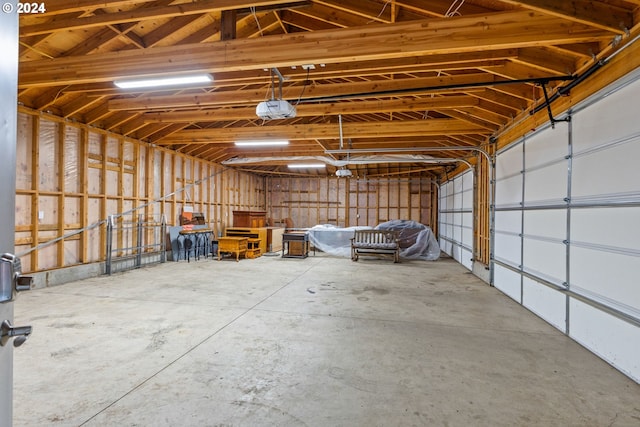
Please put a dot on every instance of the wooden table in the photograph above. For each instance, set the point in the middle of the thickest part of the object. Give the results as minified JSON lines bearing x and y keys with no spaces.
{"x":234,"y":245}
{"x":295,"y":245}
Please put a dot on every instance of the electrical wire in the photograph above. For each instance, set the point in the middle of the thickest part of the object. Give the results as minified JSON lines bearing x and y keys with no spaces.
{"x":381,"y":12}
{"x":253,"y":12}
{"x":306,"y":83}
{"x":454,"y":9}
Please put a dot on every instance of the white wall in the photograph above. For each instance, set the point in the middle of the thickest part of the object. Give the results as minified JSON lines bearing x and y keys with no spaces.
{"x":567,"y":232}
{"x":455,"y":216}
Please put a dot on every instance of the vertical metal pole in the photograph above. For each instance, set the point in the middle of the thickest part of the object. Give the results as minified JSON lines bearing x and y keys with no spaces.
{"x":492,"y":215}
{"x":163,"y":239}
{"x":107,"y":264}
{"x":568,"y":201}
{"x":522,"y":203}
{"x":139,"y":229}
{"x":8,"y":125}
{"x":474,"y":208}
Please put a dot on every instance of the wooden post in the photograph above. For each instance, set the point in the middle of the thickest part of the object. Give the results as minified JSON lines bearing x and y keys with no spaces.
{"x":35,"y":186}
{"x":228,"y":25}
{"x":61,"y":193}
{"x":83,"y":176}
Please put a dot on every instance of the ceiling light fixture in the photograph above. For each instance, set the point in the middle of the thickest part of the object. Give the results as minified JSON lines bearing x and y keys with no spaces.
{"x":261,"y":143}
{"x":163,"y":81}
{"x":307,"y":165}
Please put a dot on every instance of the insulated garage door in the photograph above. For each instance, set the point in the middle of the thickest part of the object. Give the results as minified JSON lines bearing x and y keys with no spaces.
{"x":567,"y":233}
{"x":456,"y":218}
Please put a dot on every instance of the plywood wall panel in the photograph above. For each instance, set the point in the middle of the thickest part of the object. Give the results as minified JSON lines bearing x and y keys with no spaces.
{"x":348,"y":202}
{"x":112,"y":148}
{"x":72,"y":212}
{"x":112,"y":183}
{"x":156,"y":171}
{"x":128,"y":184}
{"x":71,"y":159}
{"x":23,"y":210}
{"x":94,"y":235}
{"x":48,"y":156}
{"x":94,"y":179}
{"x":72,"y":251}
{"x":145,"y":182}
{"x":24,"y":155}
{"x":47,"y":257}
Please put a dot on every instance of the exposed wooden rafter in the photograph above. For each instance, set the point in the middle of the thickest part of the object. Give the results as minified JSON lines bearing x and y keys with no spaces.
{"x":401,"y":74}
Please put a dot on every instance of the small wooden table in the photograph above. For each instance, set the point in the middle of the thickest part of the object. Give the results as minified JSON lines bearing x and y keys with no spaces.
{"x":253,"y":248}
{"x":235,"y":245}
{"x":295,"y":245}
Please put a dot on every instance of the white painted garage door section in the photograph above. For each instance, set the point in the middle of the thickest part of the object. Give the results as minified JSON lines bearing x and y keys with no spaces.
{"x":567,"y":239}
{"x":605,"y":229}
{"x":456,"y":218}
{"x":508,"y":221}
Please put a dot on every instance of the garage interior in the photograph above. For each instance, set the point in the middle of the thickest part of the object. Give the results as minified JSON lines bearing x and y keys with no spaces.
{"x":507,"y":127}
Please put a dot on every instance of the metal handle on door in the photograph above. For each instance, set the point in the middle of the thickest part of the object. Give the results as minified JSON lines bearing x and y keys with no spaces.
{"x":8,"y":331}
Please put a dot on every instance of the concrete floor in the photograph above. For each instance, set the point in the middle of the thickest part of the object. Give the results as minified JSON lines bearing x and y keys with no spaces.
{"x":316,"y":342}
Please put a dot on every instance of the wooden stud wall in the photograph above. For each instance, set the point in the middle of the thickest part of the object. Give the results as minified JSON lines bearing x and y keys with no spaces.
{"x":481,"y":210}
{"x":350,"y":202}
{"x":71,"y":176}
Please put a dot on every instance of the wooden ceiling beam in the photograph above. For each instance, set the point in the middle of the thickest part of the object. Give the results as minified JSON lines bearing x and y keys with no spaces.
{"x":589,"y":12}
{"x":57,"y":7}
{"x":434,"y":63}
{"x":323,"y":131}
{"x":371,"y":11}
{"x":486,"y":32}
{"x":517,"y":71}
{"x":514,"y":103}
{"x":141,"y":14}
{"x":472,"y":117}
{"x":310,"y":110}
{"x":326,"y":15}
{"x":548,"y":61}
{"x":250,"y":96}
{"x":158,"y":130}
{"x":295,"y":20}
{"x":438,"y":8}
{"x":164,"y":32}
{"x":132,"y":125}
{"x":79,"y":104}
{"x":96,"y":114}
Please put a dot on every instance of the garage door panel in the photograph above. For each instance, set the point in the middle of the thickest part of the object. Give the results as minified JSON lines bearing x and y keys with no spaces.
{"x":613,"y":339}
{"x":607,"y":172}
{"x":545,"y":302}
{"x":611,"y":276}
{"x":545,"y":147}
{"x":508,"y":282}
{"x":546,"y":259}
{"x":546,"y":184}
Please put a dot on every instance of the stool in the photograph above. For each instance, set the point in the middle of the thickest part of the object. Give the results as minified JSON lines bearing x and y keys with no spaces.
{"x":253,"y":248}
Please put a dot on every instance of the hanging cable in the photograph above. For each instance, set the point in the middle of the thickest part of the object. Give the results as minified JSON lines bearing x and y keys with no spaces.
{"x":253,"y":12}
{"x":306,"y":83}
{"x":454,"y":8}
{"x":381,"y":12}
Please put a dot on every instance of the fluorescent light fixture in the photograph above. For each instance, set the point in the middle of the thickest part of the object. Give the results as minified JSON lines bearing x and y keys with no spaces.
{"x":163,"y":81}
{"x":261,"y":143}
{"x":307,"y":165}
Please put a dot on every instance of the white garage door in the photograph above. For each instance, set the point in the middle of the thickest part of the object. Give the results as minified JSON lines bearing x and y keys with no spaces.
{"x":455,"y":213}
{"x":567,"y":237}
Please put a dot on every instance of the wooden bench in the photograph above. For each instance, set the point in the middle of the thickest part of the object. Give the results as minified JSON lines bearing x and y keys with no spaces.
{"x":374,"y":242}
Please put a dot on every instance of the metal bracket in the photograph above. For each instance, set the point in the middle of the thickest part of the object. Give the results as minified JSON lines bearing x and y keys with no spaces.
{"x":8,"y":331}
{"x":547,"y":103}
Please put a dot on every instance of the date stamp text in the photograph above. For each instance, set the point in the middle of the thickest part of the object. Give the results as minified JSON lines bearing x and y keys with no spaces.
{"x":24,"y":8}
